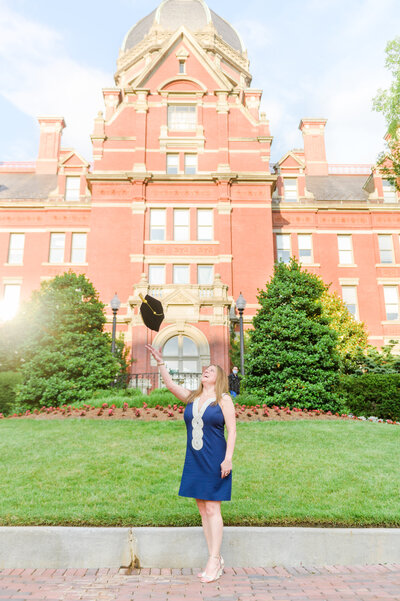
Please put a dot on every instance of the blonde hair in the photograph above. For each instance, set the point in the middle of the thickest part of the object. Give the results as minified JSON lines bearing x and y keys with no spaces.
{"x":221,"y":387}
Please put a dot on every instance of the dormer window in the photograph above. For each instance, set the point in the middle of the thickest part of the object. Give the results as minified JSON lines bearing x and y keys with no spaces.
{"x":182,"y":117}
{"x":72,"y":188}
{"x":389,"y":191}
{"x":290,"y":189}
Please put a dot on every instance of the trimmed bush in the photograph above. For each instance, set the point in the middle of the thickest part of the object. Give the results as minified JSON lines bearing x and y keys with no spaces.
{"x":9,"y":381}
{"x":372,"y":394}
{"x":292,"y":357}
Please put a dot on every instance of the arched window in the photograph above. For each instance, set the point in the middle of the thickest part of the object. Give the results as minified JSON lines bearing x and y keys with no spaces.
{"x":182,"y":355}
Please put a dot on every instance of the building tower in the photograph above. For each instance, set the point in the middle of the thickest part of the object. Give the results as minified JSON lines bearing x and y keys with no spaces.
{"x":180,"y":181}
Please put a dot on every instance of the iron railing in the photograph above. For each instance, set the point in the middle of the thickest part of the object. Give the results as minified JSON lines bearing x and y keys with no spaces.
{"x":146,"y":382}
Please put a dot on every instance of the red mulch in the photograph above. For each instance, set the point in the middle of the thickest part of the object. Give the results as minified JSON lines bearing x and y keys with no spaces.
{"x":175,"y":412}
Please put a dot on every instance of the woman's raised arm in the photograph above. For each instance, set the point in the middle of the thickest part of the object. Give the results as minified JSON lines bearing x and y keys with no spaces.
{"x":180,"y":392}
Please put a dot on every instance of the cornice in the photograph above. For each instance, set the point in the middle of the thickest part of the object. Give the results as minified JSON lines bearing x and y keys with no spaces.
{"x":43,"y":204}
{"x":328,"y":205}
{"x":236,"y":177}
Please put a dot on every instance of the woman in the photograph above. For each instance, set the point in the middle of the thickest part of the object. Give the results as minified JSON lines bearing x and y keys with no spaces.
{"x":207,"y":472}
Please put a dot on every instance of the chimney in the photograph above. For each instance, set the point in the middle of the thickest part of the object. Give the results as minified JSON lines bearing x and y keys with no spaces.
{"x":49,"y":144}
{"x":313,"y":131}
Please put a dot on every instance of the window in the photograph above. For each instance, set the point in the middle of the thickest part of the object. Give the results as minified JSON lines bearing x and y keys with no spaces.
{"x":349,"y":295}
{"x":190,"y":164}
{"x":182,"y":117}
{"x":290,"y":188}
{"x":345,"y":249}
{"x":182,"y":67}
{"x":283,"y":247}
{"x":391,"y":296}
{"x":181,"y":274}
{"x":72,"y":188}
{"x":78,"y":248}
{"x":10,"y":303}
{"x":16,"y":249}
{"x":181,"y":225}
{"x":305,"y":248}
{"x":204,"y":224}
{"x":389,"y":191}
{"x":156,"y":275}
{"x":57,"y":243}
{"x":157,"y":224}
{"x":205,"y":275}
{"x":385,"y":248}
{"x":172,"y":164}
{"x":182,"y":355}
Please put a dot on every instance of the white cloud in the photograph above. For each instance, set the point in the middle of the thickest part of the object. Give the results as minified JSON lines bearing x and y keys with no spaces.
{"x":39,"y":78}
{"x":341,"y":69}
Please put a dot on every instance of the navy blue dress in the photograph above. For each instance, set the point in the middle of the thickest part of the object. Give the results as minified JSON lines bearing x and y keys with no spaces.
{"x":205,"y":451}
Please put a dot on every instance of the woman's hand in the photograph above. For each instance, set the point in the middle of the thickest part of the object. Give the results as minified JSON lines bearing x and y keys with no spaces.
{"x":226,"y":468}
{"x":155,"y":352}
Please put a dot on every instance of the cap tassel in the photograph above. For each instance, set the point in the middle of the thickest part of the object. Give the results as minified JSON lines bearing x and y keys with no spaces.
{"x":147,"y":303}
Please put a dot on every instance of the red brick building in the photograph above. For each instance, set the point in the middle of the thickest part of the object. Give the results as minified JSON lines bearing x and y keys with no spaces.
{"x":180,"y":199}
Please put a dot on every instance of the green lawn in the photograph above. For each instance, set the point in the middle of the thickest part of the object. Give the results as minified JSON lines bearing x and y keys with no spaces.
{"x":117,"y":473}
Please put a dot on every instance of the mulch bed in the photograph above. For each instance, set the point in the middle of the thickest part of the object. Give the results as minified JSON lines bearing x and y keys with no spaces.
{"x":245,"y":413}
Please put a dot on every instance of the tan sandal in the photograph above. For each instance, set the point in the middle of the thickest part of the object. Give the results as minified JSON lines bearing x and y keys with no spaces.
{"x":202,"y":574}
{"x":218,"y":571}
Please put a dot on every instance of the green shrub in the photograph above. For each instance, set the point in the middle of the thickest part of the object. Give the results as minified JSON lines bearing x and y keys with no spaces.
{"x":292,"y":356}
{"x":9,"y":381}
{"x":372,"y":394}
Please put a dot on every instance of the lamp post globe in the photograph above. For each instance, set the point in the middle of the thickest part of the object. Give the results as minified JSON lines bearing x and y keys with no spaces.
{"x":241,"y":305}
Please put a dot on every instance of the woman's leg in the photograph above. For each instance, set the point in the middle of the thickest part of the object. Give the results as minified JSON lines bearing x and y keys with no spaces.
{"x":215,"y":526}
{"x":201,"y":504}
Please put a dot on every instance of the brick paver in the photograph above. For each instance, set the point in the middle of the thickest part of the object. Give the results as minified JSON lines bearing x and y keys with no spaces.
{"x":284,"y":583}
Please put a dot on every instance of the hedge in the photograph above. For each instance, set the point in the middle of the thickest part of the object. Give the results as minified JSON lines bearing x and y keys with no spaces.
{"x":372,"y":394}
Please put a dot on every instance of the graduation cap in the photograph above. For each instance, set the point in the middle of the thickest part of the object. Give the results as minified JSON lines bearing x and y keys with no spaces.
{"x":152,"y":312}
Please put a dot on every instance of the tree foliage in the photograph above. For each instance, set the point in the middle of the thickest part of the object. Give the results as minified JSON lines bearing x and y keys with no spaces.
{"x":352,"y":337}
{"x":234,"y":351}
{"x":61,"y":349}
{"x":378,"y":361}
{"x":292,"y":357}
{"x":387,"y":102}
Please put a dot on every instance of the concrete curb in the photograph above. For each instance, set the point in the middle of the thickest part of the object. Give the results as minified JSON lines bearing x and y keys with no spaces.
{"x":80,"y":547}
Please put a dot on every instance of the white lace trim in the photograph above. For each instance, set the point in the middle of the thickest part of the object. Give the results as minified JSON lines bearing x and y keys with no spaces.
{"x":197,"y":422}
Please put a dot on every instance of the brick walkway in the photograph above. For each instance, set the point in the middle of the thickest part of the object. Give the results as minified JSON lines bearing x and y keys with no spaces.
{"x":330,"y":583}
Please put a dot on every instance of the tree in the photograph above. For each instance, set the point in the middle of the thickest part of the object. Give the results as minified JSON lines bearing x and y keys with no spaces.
{"x":377,"y":361}
{"x":65,"y":355}
{"x":387,"y":102}
{"x":292,"y":357}
{"x":234,"y":351}
{"x":352,"y":337}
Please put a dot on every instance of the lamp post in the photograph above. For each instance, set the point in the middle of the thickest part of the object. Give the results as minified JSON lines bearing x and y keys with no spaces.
{"x":115,"y":305}
{"x":241,"y":305}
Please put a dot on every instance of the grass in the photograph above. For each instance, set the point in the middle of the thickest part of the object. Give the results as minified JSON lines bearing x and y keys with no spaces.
{"x":135,"y":398}
{"x":99,"y":473}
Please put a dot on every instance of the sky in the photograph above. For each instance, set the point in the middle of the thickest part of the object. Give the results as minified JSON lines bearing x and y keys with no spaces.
{"x":311,"y":58}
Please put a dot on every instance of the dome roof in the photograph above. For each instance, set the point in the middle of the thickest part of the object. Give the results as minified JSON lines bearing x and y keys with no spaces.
{"x":193,"y":14}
